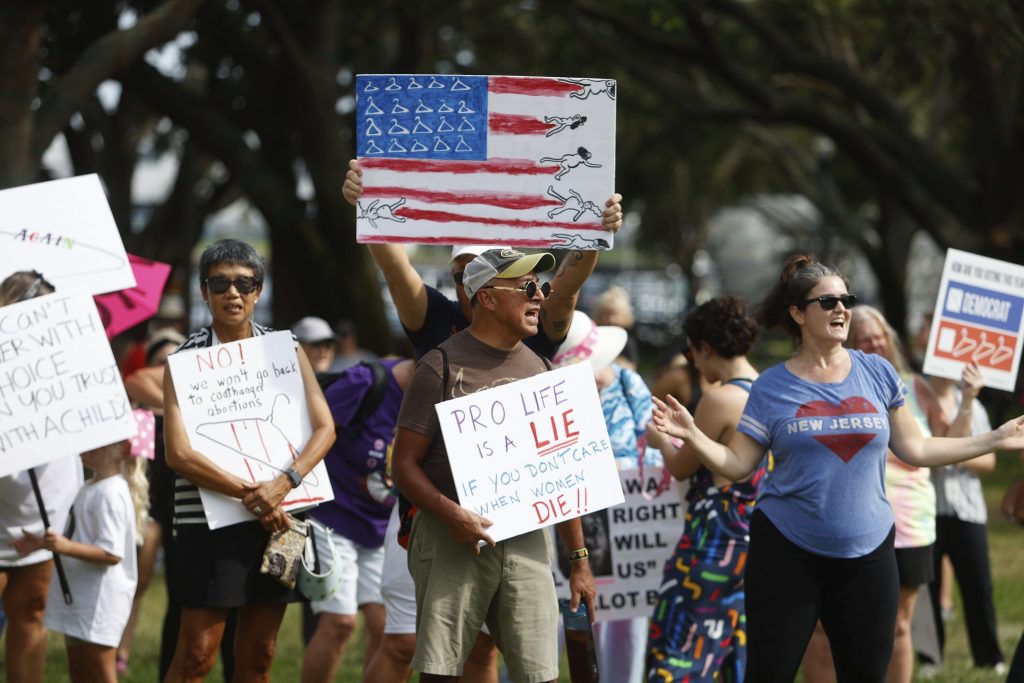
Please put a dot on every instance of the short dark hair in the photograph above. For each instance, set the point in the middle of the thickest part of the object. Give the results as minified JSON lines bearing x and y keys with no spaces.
{"x":233,"y":252}
{"x":723,"y":324}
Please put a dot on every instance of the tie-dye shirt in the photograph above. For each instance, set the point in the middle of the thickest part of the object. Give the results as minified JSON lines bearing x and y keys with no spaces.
{"x":826,"y":493}
{"x":910,"y":489}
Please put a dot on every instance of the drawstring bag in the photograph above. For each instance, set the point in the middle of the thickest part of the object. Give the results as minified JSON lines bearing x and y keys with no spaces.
{"x":320,"y":573}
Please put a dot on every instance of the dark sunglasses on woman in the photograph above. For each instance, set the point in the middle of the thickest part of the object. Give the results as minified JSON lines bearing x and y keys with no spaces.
{"x":244,"y":285}
{"x":829,"y":301}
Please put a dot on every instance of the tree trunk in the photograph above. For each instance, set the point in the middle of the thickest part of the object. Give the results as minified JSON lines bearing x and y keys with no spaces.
{"x":21,"y":24}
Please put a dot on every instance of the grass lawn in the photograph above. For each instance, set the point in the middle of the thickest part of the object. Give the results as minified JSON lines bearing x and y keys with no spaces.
{"x":1007,"y":554}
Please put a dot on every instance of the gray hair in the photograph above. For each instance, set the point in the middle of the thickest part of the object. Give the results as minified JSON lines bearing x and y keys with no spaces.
{"x":234,"y":252}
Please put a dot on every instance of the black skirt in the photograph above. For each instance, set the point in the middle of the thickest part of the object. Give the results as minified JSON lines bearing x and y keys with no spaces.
{"x":221,"y":568}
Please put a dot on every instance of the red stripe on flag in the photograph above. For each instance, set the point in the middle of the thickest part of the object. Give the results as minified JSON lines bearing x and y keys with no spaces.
{"x":508,"y":166}
{"x":422,"y":239}
{"x":530,"y":86}
{"x":504,"y":200}
{"x":515,"y":124}
{"x":448,"y":217}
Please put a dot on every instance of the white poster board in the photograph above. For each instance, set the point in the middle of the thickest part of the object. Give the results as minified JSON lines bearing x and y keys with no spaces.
{"x":979,"y":316}
{"x":60,"y":389}
{"x":512,"y":160}
{"x":244,"y":407}
{"x":64,"y":229}
{"x":629,"y":545}
{"x":532,"y":453}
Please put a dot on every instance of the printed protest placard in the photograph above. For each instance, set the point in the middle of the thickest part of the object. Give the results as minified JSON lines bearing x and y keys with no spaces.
{"x":978,"y":317}
{"x":628,"y":545}
{"x":532,"y":453}
{"x":512,"y":160}
{"x":60,"y":389}
{"x":244,"y":407}
{"x":64,"y":229}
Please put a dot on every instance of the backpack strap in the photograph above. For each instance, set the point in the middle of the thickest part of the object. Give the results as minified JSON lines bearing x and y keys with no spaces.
{"x":372,"y":398}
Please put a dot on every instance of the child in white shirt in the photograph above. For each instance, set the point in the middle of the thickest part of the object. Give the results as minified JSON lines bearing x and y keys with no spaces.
{"x":99,"y":561}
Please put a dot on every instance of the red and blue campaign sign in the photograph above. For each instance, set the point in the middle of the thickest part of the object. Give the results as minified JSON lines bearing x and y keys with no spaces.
{"x":452,"y":159}
{"x":978,"y":319}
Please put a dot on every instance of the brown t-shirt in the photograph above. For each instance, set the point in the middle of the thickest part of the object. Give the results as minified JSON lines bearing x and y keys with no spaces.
{"x":472,"y":366}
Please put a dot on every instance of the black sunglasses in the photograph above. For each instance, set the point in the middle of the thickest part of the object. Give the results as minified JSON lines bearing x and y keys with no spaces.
{"x":458,"y":278}
{"x":245,"y":285}
{"x":530,"y":289}
{"x":829,"y":301}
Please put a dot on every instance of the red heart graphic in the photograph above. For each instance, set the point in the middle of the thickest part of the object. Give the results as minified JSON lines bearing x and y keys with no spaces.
{"x":848,"y":406}
{"x":845,"y":446}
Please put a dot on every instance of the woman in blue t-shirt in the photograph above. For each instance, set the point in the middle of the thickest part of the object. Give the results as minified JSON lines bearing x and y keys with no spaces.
{"x":821,"y":538}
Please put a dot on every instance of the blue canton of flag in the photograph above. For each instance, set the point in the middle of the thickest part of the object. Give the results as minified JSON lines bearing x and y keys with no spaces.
{"x":422,"y":117}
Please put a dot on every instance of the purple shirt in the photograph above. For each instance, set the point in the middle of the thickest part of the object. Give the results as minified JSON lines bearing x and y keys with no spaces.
{"x":357,"y":462}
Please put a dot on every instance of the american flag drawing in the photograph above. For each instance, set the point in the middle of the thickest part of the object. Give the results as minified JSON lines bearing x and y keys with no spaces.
{"x":516,"y":160}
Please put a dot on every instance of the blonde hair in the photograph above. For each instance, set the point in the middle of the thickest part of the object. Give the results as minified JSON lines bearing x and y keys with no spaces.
{"x":892,"y":341}
{"x":133,"y":469}
{"x":614,"y":300}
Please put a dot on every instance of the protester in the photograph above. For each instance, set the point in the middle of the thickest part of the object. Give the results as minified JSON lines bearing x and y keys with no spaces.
{"x":626,"y":404}
{"x":612,"y":308}
{"x":960,"y":522}
{"x":458,"y":584}
{"x":221,"y":569}
{"x":700,"y":606}
{"x":364,"y":402}
{"x":909,"y":489}
{"x":28,"y":576}
{"x":429,"y":317}
{"x":317,"y":339}
{"x":99,"y":561}
{"x":821,"y":538}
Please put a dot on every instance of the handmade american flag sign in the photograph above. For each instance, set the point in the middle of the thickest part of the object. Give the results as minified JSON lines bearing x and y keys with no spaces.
{"x":513,"y":160}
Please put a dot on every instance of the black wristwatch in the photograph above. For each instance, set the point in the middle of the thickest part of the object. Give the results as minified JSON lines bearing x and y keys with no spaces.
{"x":293,"y":477}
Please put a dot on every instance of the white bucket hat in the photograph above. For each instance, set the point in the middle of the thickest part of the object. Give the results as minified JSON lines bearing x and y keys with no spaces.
{"x":320,"y":574}
{"x":588,"y":341}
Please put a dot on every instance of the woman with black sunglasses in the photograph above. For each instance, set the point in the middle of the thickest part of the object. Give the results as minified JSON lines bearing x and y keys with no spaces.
{"x":216,"y":571}
{"x":821,"y":538}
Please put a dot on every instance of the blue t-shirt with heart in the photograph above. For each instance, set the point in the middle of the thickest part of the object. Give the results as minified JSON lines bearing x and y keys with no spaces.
{"x":827,"y":491}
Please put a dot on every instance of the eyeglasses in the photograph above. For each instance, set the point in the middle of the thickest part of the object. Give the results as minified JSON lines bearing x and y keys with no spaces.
{"x":829,"y":301}
{"x":457,"y":277}
{"x":530,"y":289}
{"x":244,"y":285}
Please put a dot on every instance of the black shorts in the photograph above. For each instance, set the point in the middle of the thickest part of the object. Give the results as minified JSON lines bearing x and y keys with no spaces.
{"x":221,"y":568}
{"x":915,"y":566}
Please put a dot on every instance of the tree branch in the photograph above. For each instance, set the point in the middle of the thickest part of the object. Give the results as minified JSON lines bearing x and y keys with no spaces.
{"x":103,"y":59}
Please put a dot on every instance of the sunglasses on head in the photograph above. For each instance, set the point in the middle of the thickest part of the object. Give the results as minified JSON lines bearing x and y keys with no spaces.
{"x":829,"y":301}
{"x":530,"y":289}
{"x":457,"y":277}
{"x":244,"y":285}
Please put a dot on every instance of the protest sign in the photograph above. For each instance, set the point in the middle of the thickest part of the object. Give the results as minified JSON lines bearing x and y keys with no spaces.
{"x":531,"y":453}
{"x":628,"y":545}
{"x":511,"y":160}
{"x":244,"y":407}
{"x":978,"y":317}
{"x":60,"y":389}
{"x":64,"y":230}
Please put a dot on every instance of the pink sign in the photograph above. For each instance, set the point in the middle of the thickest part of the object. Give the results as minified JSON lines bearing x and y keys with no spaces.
{"x":126,"y":308}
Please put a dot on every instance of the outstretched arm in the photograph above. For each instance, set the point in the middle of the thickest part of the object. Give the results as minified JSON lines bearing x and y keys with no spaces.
{"x":575,"y":268}
{"x":909,"y":445}
{"x":734,"y":462}
{"x":404,"y":283}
